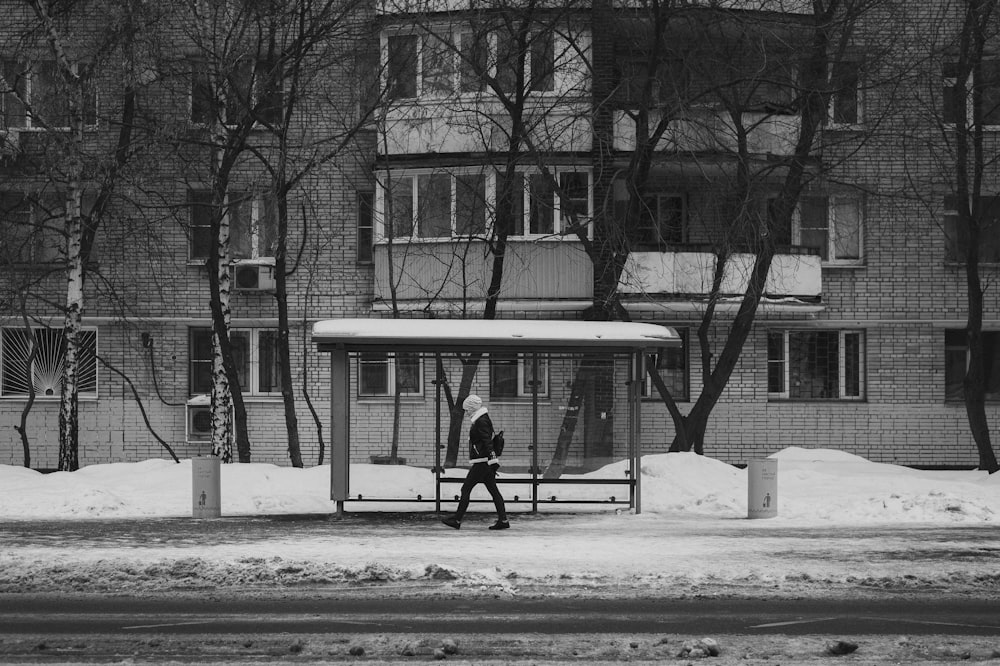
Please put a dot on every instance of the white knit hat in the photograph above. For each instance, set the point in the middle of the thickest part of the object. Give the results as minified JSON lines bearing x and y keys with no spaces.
{"x":472,"y":403}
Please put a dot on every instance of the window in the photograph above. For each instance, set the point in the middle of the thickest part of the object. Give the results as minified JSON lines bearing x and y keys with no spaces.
{"x":440,"y":62}
{"x":434,"y":205}
{"x":255,"y":352}
{"x":978,"y":95}
{"x":773,"y":84}
{"x":470,"y":204}
{"x":473,"y":62}
{"x":538,"y":62}
{"x":366,"y":227}
{"x":672,"y":365}
{"x":379,"y":374}
{"x":552,"y":212}
{"x":18,"y":376}
{"x":439,"y":205}
{"x":816,"y":365}
{"x":670,"y":85}
{"x":541,"y":63}
{"x":13,"y":89}
{"x":253,"y":220}
{"x":250,"y":88}
{"x":31,"y":227}
{"x":253,"y":224}
{"x":986,"y":211}
{"x":43,"y":88}
{"x":663,"y":221}
{"x":956,"y":363}
{"x":437,"y":65}
{"x":833,"y":225}
{"x":401,"y":66}
{"x":845,"y":98}
{"x":510,"y":376}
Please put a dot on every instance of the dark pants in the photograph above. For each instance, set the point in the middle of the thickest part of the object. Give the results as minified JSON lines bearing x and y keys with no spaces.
{"x":485,"y":474}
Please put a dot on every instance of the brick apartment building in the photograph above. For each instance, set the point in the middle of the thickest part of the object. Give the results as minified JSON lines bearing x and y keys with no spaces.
{"x":857,"y":344}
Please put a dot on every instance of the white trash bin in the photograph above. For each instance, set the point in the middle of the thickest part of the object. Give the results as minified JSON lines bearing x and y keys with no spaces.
{"x":762,"y":488}
{"x":206,"y":487}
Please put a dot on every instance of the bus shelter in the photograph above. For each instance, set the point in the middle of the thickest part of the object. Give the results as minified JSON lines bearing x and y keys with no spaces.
{"x":567,"y":394}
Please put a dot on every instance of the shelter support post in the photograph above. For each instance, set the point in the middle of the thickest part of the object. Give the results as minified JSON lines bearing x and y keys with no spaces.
{"x":438,"y":381}
{"x":534,"y":432}
{"x":635,"y":400}
{"x":340,"y":432}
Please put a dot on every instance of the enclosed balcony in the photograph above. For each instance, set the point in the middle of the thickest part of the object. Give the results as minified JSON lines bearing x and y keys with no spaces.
{"x":450,"y":275}
{"x":710,"y":131}
{"x":795,"y":275}
{"x":480,"y":125}
{"x":446,"y":274}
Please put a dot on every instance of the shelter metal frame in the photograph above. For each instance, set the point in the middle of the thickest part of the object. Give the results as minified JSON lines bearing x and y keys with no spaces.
{"x":342,"y":337}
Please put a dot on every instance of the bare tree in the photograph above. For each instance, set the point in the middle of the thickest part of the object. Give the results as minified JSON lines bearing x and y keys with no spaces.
{"x":492,"y":74}
{"x":713,"y":78}
{"x":61,"y":48}
{"x":966,"y":160}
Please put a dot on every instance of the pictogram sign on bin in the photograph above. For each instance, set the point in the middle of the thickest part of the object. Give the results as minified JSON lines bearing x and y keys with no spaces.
{"x":762,"y":488}
{"x":206,"y":490}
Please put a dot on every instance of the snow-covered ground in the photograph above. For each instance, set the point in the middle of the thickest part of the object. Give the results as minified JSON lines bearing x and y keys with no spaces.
{"x":842,"y":523}
{"x":818,"y":487}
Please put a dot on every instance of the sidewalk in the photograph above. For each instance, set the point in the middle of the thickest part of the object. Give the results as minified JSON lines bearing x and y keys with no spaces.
{"x":542,"y":555}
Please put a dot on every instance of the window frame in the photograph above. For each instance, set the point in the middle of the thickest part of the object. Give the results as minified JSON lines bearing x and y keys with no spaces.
{"x":834,"y":202}
{"x":462,"y":80}
{"x":249,"y":381}
{"x":553,"y":206}
{"x":648,"y":390}
{"x":954,"y":251}
{"x":656,"y":223}
{"x":31,"y":78}
{"x":13,"y":113}
{"x":91,"y":344}
{"x":783,"y":364}
{"x":391,"y":371}
{"x":44,"y":237}
{"x":387,"y":182}
{"x":523,"y":373}
{"x":262,"y":209}
{"x":956,"y":396}
{"x":973,"y":93}
{"x":838,"y":91}
{"x":365,"y":227}
{"x":257,"y":70}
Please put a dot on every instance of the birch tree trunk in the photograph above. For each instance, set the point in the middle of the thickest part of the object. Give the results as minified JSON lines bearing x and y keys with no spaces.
{"x":69,"y":458}
{"x":222,"y":399}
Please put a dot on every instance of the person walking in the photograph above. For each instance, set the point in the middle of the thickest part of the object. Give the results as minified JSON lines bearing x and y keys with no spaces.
{"x":484,"y":465}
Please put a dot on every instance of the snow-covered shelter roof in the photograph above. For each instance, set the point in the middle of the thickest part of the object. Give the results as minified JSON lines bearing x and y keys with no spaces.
{"x":482,"y":334}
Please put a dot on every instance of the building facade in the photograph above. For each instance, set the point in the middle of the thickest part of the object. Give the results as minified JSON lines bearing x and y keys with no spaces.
{"x":607,"y":154}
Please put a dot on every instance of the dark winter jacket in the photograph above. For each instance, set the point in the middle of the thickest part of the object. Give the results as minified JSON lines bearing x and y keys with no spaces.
{"x":481,"y":440}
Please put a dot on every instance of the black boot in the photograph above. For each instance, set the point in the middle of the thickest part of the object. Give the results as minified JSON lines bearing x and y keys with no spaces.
{"x":500,"y":525}
{"x":452,"y":521}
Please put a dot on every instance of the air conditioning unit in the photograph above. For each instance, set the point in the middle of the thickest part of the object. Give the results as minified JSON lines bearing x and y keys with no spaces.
{"x":10,"y":142}
{"x":254,"y":274}
{"x":198,"y":420}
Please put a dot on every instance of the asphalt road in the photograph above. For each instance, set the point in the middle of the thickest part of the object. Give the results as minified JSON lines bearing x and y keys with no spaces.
{"x":50,"y":615}
{"x":934,"y":600}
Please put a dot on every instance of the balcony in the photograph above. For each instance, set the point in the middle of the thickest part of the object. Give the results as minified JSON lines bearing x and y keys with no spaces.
{"x":710,"y":131}
{"x":690,"y":272}
{"x":460,"y":125}
{"x":429,"y":274}
{"x":425,"y":7}
{"x":459,"y":272}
